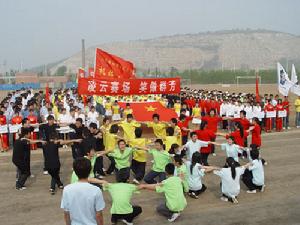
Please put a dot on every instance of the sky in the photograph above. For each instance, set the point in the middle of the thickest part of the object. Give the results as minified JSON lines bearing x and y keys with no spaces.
{"x":37,"y":32}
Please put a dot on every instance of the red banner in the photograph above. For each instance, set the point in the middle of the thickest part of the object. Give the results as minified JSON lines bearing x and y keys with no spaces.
{"x":111,"y":66}
{"x":92,"y":86}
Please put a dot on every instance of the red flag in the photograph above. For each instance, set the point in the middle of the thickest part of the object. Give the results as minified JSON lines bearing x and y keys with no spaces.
{"x":257,"y":90}
{"x":91,"y":72}
{"x":94,"y":86}
{"x":80,"y":73}
{"x":143,"y":111}
{"x":111,"y":66}
{"x":47,"y":94}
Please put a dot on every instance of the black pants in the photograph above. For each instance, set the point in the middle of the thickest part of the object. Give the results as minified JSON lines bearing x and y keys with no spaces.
{"x":204,"y":158}
{"x":123,"y":171}
{"x":198,"y":192}
{"x":138,"y":168}
{"x":137,"y":210}
{"x":55,"y":179}
{"x":213,"y":146}
{"x":98,"y":167}
{"x":112,"y":165}
{"x":184,"y":139}
{"x":247,"y":179}
{"x":22,"y":176}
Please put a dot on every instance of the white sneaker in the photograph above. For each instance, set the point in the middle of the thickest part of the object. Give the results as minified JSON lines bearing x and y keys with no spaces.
{"x":174,"y":217}
{"x":251,"y":192}
{"x":127,"y":223}
{"x":32,"y":176}
{"x":45,"y":172}
{"x":224,"y":199}
{"x":234,"y":200}
{"x":135,"y":181}
{"x":214,"y":154}
{"x":263,"y":188}
{"x":288,"y":128}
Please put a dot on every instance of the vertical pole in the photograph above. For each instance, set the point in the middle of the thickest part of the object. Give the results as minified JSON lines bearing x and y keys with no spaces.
{"x":83,"y":54}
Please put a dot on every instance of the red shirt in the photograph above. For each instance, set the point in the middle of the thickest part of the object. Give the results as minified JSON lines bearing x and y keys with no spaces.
{"x":279,"y":107}
{"x":32,"y":119}
{"x":3,"y":120}
{"x":205,"y":135}
{"x":16,"y":120}
{"x":256,"y":138}
{"x":238,"y":139}
{"x":269,"y":107}
{"x":212,"y":122}
{"x":244,"y":122}
{"x":202,"y":105}
{"x":286,"y":106}
{"x":184,"y":124}
{"x":207,"y":106}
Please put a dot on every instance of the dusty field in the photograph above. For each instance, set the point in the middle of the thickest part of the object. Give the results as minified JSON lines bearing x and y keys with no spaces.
{"x":279,"y":204}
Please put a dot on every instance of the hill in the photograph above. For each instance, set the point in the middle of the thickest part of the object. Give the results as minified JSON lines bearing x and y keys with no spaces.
{"x":235,"y":49}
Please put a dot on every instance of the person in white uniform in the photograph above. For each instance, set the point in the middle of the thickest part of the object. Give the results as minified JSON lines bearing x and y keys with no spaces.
{"x":230,"y":180}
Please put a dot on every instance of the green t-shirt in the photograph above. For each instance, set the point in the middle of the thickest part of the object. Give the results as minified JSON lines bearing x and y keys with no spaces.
{"x":173,"y":190}
{"x":122,"y":158}
{"x":183,"y":170}
{"x":161,"y":159}
{"x":74,"y":177}
{"x":121,"y":194}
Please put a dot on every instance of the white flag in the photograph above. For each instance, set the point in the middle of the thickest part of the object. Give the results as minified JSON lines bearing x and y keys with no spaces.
{"x":294,"y":79}
{"x":284,"y":83}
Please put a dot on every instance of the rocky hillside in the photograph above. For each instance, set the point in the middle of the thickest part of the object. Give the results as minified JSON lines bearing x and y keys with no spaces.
{"x":239,"y":49}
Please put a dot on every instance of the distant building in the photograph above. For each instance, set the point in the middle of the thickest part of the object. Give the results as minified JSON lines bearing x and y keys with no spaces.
{"x":26,"y":77}
{"x":29,"y":77}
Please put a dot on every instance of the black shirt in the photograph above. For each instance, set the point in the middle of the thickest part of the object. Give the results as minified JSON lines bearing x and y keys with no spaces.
{"x":21,"y":153}
{"x":45,"y":130}
{"x":51,"y":155}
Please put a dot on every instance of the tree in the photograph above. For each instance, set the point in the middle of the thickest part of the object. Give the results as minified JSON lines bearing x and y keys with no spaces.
{"x":61,"y":71}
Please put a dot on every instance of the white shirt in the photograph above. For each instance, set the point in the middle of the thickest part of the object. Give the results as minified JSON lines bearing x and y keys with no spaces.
{"x":82,"y":201}
{"x":193,"y":147}
{"x":230,"y":186}
{"x":231,"y":150}
{"x":257,"y":169}
{"x":229,"y":110}
{"x":223,"y":109}
{"x":93,"y":116}
{"x":65,"y":118}
{"x":194,"y":179}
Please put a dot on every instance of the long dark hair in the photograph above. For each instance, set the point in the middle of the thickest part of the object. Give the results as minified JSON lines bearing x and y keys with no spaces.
{"x":231,"y":163}
{"x":196,"y":158}
{"x":241,"y":129}
{"x":203,"y":124}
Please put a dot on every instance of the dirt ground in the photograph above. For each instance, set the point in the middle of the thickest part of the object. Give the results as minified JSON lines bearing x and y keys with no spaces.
{"x":279,"y":204}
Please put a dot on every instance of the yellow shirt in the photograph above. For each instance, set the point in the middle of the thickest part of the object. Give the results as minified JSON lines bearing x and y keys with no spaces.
{"x":169,"y":141}
{"x":129,"y":129}
{"x":196,"y":111}
{"x":108,"y":106}
{"x":98,"y":99}
{"x":297,"y":105}
{"x":126,"y":112}
{"x":177,"y":133}
{"x":159,"y":129}
{"x":177,"y":107}
{"x":105,"y":131}
{"x":115,"y":109}
{"x":110,"y":141}
{"x":139,"y":155}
